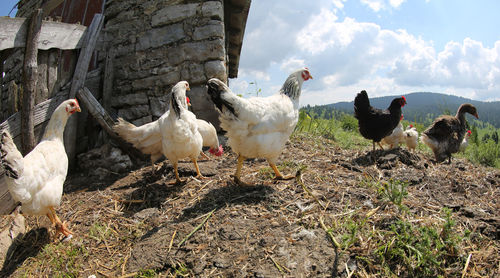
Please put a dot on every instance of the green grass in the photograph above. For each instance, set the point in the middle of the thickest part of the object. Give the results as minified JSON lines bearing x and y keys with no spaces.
{"x":64,"y":259}
{"x":420,"y":251}
{"x":342,"y":128}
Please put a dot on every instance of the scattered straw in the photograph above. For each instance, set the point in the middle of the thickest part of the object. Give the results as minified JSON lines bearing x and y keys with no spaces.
{"x":196,"y":228}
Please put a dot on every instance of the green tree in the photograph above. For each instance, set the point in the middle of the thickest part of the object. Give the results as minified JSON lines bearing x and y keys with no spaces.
{"x":473,"y":136}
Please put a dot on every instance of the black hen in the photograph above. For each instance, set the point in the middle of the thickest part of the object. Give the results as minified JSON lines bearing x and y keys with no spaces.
{"x":374,"y":123}
{"x":446,"y":133}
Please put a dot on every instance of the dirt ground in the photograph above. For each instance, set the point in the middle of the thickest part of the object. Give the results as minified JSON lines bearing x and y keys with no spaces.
{"x":138,"y":224}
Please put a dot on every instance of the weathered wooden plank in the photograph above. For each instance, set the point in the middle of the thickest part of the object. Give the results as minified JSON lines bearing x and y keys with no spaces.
{"x":7,"y":204}
{"x":30,"y":78}
{"x":78,"y":81}
{"x":50,"y":5}
{"x":106,"y":122}
{"x":41,"y":114}
{"x":53,"y":34}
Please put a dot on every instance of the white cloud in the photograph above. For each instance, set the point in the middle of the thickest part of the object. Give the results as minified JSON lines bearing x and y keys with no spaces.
{"x":379,"y":5}
{"x":375,"y":5}
{"x":339,"y":4}
{"x":346,"y":55}
{"x":292,"y":64}
{"x":396,"y":3}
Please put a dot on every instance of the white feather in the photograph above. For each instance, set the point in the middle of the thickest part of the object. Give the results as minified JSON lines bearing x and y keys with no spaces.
{"x":411,"y":137}
{"x":40,"y":185}
{"x":395,"y":138}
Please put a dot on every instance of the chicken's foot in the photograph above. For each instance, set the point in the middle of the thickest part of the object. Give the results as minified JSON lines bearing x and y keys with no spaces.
{"x":237,"y":174}
{"x":198,"y":173}
{"x":204,"y":156}
{"x":60,"y":226}
{"x":279,"y":176}
{"x":177,"y":178}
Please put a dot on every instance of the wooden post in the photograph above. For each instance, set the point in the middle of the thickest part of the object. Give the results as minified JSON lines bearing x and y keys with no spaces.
{"x":107,"y":86}
{"x":78,"y":82}
{"x":30,"y":77}
{"x":106,"y":122}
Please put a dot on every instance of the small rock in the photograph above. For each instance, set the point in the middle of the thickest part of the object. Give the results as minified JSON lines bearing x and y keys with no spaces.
{"x":147,"y":213}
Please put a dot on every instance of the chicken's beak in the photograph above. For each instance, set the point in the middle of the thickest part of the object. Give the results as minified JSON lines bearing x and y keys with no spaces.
{"x":476,"y":115}
{"x":78,"y":109}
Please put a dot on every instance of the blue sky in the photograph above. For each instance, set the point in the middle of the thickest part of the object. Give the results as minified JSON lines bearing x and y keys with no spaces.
{"x":387,"y":47}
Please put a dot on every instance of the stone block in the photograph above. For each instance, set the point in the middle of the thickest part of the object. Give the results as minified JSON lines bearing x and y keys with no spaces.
{"x":196,"y":73}
{"x":215,"y":69}
{"x":175,"y":56}
{"x":169,"y":78}
{"x":159,"y":105}
{"x":173,"y":14}
{"x":213,"y":10}
{"x":214,"y":29}
{"x":143,"y":120}
{"x":131,"y":99}
{"x":203,"y":51}
{"x":134,"y":112}
{"x":160,"y":36}
{"x":145,"y":83}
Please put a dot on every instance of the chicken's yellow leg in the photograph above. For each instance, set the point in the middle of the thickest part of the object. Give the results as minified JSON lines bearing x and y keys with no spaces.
{"x":205,"y":156}
{"x":177,"y":179}
{"x":60,"y":226}
{"x":198,"y":173}
{"x":380,"y":146}
{"x":237,"y":174}
{"x":279,"y":176}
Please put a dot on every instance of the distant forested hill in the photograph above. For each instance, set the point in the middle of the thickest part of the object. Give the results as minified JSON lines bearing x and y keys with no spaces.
{"x":422,"y":107}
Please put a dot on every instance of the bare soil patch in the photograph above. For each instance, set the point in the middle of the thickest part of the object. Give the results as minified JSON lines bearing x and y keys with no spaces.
{"x":134,"y":223}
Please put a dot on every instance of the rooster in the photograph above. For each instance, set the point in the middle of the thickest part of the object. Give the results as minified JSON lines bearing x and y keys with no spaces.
{"x":374,"y":123}
{"x":36,"y":180}
{"x":395,"y":138}
{"x":259,"y":126}
{"x":147,"y":138}
{"x":465,"y":142}
{"x":180,"y":137}
{"x":446,"y":133}
{"x":411,"y":137}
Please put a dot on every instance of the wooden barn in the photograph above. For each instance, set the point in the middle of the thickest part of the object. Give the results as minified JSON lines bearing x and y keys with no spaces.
{"x":118,"y":57}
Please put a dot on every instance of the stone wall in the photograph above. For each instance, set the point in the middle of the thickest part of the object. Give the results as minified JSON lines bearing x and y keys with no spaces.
{"x":155,"y":44}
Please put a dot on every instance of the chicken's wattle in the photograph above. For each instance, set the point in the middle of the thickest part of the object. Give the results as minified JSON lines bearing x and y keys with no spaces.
{"x":217,"y":152}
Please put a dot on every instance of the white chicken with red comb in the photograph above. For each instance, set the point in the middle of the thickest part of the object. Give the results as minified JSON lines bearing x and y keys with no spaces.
{"x":36,"y":180}
{"x":259,"y":127}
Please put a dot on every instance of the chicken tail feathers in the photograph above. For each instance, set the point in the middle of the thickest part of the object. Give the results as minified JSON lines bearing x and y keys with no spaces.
{"x":216,"y":90}
{"x":11,"y":158}
{"x":361,"y":104}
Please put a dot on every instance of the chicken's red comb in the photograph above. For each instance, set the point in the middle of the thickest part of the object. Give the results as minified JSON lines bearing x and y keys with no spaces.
{"x":402,"y":117}
{"x":470,"y":132}
{"x":411,"y":125}
{"x":217,"y":152}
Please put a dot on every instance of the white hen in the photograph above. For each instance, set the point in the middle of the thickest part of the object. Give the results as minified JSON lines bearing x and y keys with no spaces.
{"x":147,"y":138}
{"x":179,"y":131}
{"x":395,"y":138}
{"x":37,"y":179}
{"x":259,"y":126}
{"x":411,"y":137}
